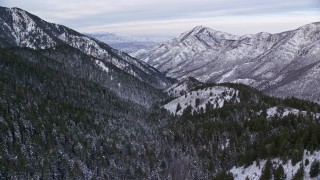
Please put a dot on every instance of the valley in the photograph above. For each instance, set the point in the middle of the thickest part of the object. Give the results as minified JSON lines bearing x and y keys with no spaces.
{"x":206,"y":105}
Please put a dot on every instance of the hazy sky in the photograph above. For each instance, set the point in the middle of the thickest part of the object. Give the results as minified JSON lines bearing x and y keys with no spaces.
{"x":162,"y":19}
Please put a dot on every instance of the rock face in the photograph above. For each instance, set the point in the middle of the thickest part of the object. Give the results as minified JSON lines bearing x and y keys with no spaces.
{"x":283,"y":64}
{"x":20,"y":28}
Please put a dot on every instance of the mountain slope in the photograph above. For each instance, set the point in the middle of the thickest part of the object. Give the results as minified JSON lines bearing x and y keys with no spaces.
{"x":283,"y":64}
{"x":20,"y":28}
{"x":59,"y":121}
{"x":242,"y":124}
{"x":55,"y":123}
{"x":126,"y":44}
{"x":69,"y":60}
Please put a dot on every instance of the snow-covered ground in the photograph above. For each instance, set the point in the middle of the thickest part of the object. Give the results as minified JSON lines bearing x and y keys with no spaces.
{"x":216,"y":96}
{"x":285,"y":111}
{"x":253,"y":172}
{"x":104,"y":67}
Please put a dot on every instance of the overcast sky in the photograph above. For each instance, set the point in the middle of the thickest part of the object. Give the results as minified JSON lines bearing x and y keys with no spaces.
{"x":162,"y":19}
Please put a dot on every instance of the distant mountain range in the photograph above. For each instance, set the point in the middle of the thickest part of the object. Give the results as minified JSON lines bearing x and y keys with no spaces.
{"x":283,"y":64}
{"x":124,"y":43}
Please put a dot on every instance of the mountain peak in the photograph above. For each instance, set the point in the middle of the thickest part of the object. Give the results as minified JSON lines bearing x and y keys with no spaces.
{"x":206,"y":31}
{"x":202,"y":29}
{"x":199,"y":28}
{"x":17,"y":10}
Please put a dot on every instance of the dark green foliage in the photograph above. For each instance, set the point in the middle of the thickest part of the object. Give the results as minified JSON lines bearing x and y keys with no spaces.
{"x":56,"y":124}
{"x":279,"y":173}
{"x":299,"y":174}
{"x":315,"y":169}
{"x":267,"y":171}
{"x":224,"y":176}
{"x":197,"y":102}
{"x":187,"y":112}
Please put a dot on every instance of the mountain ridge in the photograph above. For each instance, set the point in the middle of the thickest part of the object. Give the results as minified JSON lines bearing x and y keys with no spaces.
{"x":20,"y":28}
{"x":262,"y":60}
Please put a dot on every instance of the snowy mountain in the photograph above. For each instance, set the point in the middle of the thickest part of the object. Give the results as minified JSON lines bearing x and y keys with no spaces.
{"x":20,"y":28}
{"x":124,"y":43}
{"x":283,"y":64}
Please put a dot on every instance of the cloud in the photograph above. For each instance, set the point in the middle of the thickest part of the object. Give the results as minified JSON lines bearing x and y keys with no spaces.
{"x":160,"y":17}
{"x":239,"y":25}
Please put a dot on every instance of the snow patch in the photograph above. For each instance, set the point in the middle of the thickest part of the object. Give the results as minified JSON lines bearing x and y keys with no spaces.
{"x":285,"y":111}
{"x":101,"y":64}
{"x":254,"y":171}
{"x":228,"y":74}
{"x":216,"y":96}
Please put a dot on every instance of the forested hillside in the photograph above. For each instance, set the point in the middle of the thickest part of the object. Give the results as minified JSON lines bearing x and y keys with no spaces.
{"x":57,"y":124}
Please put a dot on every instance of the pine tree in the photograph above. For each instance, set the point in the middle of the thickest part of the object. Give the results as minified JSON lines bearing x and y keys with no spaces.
{"x":313,"y":143}
{"x":223,"y":176}
{"x":306,"y":162}
{"x":299,"y":174}
{"x":197,"y":102}
{"x":279,"y":173}
{"x":178,"y":107}
{"x":315,"y":169}
{"x":267,"y":171}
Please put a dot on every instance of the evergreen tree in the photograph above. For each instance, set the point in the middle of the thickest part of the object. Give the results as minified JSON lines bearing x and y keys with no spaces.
{"x":299,"y":174}
{"x":306,"y":162}
{"x":267,"y":171}
{"x":223,"y":176}
{"x":279,"y":173}
{"x":315,"y":169}
{"x":178,"y":107}
{"x":313,"y":143}
{"x":197,"y":102}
